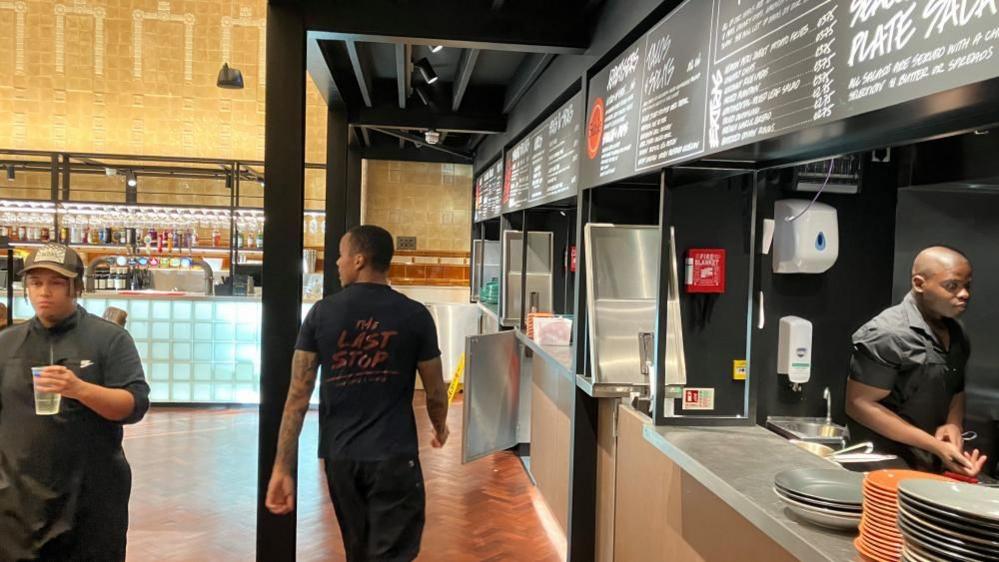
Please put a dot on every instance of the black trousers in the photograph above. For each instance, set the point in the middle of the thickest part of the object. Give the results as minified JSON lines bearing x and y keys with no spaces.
{"x":379,"y":506}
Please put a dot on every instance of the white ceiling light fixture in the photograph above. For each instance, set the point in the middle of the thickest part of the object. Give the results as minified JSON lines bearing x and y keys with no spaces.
{"x":432,"y":136}
{"x":436,"y":48}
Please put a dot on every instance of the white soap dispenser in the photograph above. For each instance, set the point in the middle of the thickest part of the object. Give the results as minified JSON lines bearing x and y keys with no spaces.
{"x":794,"y":349}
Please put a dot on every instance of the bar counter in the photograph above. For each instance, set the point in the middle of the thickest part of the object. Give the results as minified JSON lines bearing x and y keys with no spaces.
{"x":194,"y":347}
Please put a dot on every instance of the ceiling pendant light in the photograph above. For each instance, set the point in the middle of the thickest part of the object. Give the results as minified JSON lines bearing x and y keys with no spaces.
{"x":429,"y":75}
{"x":436,"y":48}
{"x":130,"y":179}
{"x":229,"y":78}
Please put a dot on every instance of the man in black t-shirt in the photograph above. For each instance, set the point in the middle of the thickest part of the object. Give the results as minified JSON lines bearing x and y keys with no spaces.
{"x":905,"y":392}
{"x":370,"y":341}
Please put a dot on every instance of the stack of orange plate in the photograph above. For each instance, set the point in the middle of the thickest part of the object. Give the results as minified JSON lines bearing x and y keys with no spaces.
{"x":880,"y":539}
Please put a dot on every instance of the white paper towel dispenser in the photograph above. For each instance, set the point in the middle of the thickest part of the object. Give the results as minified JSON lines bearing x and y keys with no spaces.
{"x":794,"y":349}
{"x":806,"y":239}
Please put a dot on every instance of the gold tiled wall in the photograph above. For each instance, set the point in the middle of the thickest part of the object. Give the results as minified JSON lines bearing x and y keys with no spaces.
{"x":430,"y":201}
{"x":138,"y":77}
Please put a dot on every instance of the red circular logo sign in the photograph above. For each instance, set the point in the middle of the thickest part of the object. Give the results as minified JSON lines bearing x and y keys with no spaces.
{"x":595,"y":130}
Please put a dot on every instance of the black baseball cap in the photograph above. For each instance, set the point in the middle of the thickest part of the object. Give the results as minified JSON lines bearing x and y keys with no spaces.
{"x":55,"y":257}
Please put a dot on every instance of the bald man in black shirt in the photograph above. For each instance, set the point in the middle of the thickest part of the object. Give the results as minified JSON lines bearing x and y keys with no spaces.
{"x":906,"y":387}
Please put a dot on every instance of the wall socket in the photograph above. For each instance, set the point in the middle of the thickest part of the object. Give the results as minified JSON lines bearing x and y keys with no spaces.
{"x":405,"y":243}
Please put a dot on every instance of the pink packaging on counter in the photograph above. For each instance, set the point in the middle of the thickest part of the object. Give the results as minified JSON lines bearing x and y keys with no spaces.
{"x":555,"y":330}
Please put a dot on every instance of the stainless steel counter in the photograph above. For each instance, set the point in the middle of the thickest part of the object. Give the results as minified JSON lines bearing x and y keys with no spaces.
{"x":561,"y":356}
{"x":738,"y":464}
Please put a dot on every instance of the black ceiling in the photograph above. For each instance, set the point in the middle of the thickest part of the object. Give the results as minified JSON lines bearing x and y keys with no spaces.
{"x":362,"y":57}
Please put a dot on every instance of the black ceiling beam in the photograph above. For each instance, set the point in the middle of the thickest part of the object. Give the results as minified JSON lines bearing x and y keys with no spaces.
{"x":341,"y":72}
{"x":320,"y":72}
{"x":461,"y":78}
{"x":549,"y":26}
{"x":420,"y":142}
{"x":527,"y":73}
{"x":391,"y":117}
{"x":403,"y":70}
{"x":362,"y":69}
{"x":473,"y":141}
{"x":409,"y":154}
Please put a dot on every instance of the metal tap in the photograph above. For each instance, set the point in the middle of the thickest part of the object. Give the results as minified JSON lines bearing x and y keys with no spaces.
{"x":828,"y":398}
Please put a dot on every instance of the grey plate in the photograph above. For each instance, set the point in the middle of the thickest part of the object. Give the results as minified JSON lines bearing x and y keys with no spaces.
{"x":954,"y":524}
{"x":971,"y":500}
{"x":917,"y":553}
{"x":824,"y":484}
{"x":846,"y":507}
{"x":946,"y":535}
{"x":935,"y":545}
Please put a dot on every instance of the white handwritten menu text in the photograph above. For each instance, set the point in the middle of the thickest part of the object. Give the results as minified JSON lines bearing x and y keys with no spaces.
{"x":897,"y":51}
{"x":517,"y":177}
{"x":612,"y":122}
{"x":783,"y":65}
{"x":773,"y":68}
{"x":674,"y":86}
{"x":559,"y":153}
{"x":489,"y":192}
{"x":718,"y":74}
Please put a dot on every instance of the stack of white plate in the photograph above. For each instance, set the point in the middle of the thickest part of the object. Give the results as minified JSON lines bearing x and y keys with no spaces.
{"x":948,"y":521}
{"x":829,"y":497}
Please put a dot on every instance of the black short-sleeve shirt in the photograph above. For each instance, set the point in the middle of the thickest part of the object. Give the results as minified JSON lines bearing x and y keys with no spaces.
{"x":897,"y":351}
{"x":64,"y":480}
{"x":369,"y":339}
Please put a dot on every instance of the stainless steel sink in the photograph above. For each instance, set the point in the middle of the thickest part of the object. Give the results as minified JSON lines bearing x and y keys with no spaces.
{"x":813,"y":430}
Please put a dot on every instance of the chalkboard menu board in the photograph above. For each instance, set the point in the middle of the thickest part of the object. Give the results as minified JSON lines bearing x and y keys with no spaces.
{"x":646,"y":109}
{"x":489,"y":192}
{"x":741,"y":71}
{"x":544,"y":166}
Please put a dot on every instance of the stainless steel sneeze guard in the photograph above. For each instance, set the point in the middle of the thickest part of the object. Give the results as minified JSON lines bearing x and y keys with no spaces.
{"x":540,"y":266}
{"x":492,"y":394}
{"x":622,"y":283}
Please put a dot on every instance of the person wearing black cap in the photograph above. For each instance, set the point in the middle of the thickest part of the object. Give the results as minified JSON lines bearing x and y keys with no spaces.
{"x":64,"y":479}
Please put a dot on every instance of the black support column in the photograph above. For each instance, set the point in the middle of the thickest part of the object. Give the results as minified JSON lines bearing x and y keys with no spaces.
{"x":343,"y":192}
{"x":284,"y":156}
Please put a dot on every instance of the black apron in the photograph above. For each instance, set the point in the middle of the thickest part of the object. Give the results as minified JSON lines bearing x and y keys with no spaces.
{"x":64,"y":480}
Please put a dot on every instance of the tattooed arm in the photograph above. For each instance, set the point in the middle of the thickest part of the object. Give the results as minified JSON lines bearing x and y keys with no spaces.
{"x":432,"y":374}
{"x":281,"y":491}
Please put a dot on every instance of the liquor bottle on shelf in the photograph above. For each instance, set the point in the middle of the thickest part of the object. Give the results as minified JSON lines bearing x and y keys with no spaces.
{"x":260,"y":239}
{"x":216,"y":238}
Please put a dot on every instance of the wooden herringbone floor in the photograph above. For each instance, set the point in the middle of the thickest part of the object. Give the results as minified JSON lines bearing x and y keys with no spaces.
{"x":194,"y":486}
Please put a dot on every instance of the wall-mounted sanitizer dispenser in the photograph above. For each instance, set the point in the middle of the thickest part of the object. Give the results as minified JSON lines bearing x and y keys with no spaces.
{"x":806,"y":239}
{"x":794,"y":349}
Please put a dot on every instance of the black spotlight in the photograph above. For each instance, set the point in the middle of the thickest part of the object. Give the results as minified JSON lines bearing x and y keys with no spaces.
{"x":229,"y":78}
{"x":130,"y":179}
{"x":422,"y":93}
{"x":423,"y":65}
{"x":10,"y":172}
